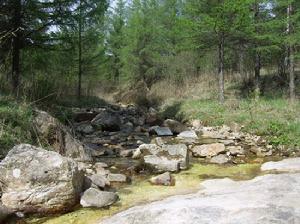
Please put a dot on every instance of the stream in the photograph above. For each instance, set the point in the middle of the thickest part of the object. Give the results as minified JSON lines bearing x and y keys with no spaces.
{"x":140,"y":191}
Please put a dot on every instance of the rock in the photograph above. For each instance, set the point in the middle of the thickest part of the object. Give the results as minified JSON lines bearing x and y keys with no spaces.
{"x":4,"y":213}
{"x":99,"y":180}
{"x":160,"y":131}
{"x":76,"y":150}
{"x":95,"y":198}
{"x":178,"y":152}
{"x":220,"y":159}
{"x":175,"y":126}
{"x":101,"y":165}
{"x":261,"y":152}
{"x":137,"y":154}
{"x":158,"y":141}
{"x":208,"y":150}
{"x":84,"y":128}
{"x":149,"y":149}
{"x":286,"y":165}
{"x":112,"y":177}
{"x":266,"y":199}
{"x":188,"y":134}
{"x":39,"y":181}
{"x":59,"y":137}
{"x":235,"y":150}
{"x":126,"y":152}
{"x":235,"y":127}
{"x":161,"y":164}
{"x":107,"y":120}
{"x":128,"y":127}
{"x":197,"y":124}
{"x":164,"y":179}
{"x":165,"y":158}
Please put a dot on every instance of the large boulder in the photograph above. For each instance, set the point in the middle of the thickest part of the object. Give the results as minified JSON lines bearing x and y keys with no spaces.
{"x":60,"y":138}
{"x":208,"y":150}
{"x":107,"y":120}
{"x":267,"y":199}
{"x":35,"y":180}
{"x":95,"y":198}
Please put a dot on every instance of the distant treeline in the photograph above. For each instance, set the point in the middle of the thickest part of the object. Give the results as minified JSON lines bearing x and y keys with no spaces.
{"x":62,"y":47}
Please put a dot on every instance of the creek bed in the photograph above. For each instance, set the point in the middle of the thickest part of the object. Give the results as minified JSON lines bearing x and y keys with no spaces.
{"x":140,"y":191}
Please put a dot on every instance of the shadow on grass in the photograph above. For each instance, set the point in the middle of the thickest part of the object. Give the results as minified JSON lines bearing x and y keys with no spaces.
{"x":173,"y":111}
{"x":272,"y":86}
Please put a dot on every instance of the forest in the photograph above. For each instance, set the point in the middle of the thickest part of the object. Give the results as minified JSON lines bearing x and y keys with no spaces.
{"x":57,"y":48}
{"x":149,"y":111}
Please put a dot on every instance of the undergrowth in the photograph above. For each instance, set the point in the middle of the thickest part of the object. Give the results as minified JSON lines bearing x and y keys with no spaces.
{"x":276,"y":119}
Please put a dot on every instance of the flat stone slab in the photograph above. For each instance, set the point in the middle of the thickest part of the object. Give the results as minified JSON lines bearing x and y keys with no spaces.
{"x":269,"y":199}
{"x":188,"y":134}
{"x":161,"y":131}
{"x":286,"y":165}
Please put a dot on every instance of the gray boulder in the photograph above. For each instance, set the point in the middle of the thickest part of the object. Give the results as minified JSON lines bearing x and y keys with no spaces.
{"x":270,"y":199}
{"x":165,"y":179}
{"x":161,"y":164}
{"x":107,"y":120}
{"x":188,"y":135}
{"x":220,"y":159}
{"x":116,"y":177}
{"x":165,"y":158}
{"x":179,"y":151}
{"x":208,"y":150}
{"x":60,"y":138}
{"x":39,"y":181}
{"x":99,"y":180}
{"x":160,"y":131}
{"x":95,"y":198}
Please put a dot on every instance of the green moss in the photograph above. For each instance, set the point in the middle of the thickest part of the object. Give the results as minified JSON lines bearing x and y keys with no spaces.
{"x":141,"y":191}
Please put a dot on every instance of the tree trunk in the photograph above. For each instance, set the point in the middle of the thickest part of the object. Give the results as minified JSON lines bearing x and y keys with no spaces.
{"x":16,"y":44}
{"x":290,"y":55}
{"x":257,"y":75}
{"x":79,"y":51}
{"x":221,"y":68}
{"x":257,"y":57}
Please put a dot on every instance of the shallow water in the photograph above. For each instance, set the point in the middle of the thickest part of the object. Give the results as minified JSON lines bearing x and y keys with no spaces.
{"x":140,"y":191}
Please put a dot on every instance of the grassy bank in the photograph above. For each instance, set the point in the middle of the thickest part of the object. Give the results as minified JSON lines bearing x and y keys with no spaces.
{"x":15,"y":124}
{"x":276,"y":119}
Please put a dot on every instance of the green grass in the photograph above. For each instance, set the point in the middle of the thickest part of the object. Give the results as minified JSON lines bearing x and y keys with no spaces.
{"x":276,"y":119}
{"x":15,"y":124}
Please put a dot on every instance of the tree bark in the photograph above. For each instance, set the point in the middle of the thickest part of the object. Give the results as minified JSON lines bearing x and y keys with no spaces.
{"x":79,"y":51}
{"x":16,"y":45}
{"x":221,"y":68}
{"x":257,"y":75}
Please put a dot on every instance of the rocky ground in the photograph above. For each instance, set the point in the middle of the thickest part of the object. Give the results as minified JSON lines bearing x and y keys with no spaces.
{"x":103,"y":148}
